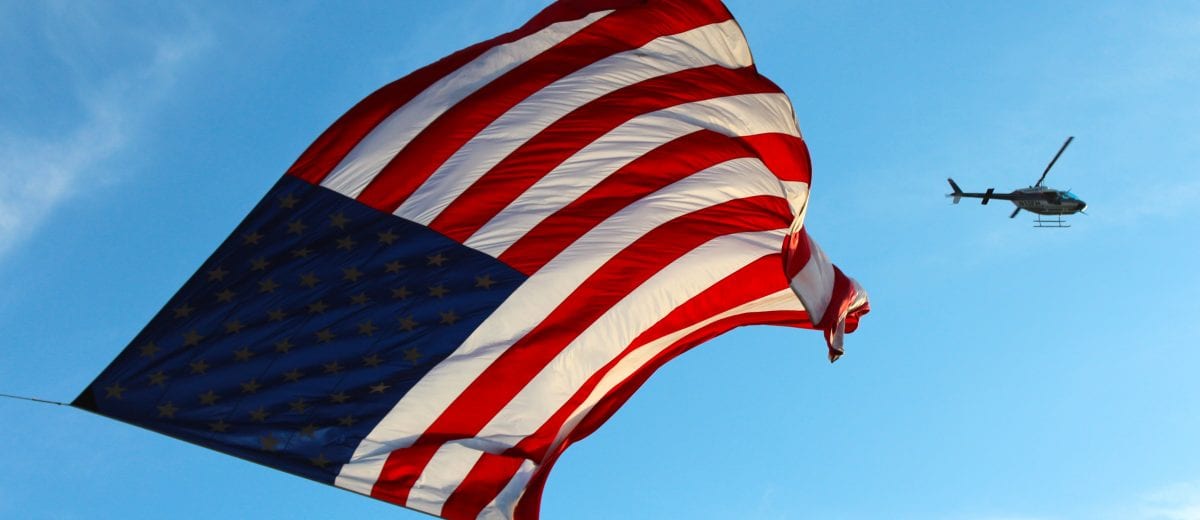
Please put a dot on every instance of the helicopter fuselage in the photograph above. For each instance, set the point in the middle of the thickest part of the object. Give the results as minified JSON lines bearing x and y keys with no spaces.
{"x":1047,"y":201}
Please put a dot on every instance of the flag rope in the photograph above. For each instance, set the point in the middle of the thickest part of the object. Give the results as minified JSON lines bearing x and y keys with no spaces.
{"x":34,"y":399}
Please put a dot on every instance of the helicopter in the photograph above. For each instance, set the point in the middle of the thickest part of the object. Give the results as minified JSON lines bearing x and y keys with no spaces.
{"x":1037,"y":199}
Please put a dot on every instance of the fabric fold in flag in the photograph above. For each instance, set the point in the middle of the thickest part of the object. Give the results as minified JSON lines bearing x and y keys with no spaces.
{"x":479,"y":263}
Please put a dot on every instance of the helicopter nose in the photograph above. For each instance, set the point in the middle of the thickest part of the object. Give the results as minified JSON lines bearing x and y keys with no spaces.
{"x":1082,"y":206}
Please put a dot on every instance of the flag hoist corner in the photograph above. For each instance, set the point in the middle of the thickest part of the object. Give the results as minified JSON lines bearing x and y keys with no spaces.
{"x":480,"y":262}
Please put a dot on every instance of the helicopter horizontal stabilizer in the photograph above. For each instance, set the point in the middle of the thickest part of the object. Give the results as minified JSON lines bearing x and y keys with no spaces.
{"x":957,"y":192}
{"x":987,"y":196}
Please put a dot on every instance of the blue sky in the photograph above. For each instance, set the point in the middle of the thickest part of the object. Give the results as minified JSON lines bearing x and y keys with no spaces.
{"x":1005,"y":372}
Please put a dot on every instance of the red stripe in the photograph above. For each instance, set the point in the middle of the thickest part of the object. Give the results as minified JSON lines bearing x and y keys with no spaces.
{"x":651,"y":172}
{"x":509,"y":178}
{"x":797,"y":251}
{"x":622,"y":30}
{"x":756,"y":280}
{"x":324,"y":154}
{"x":856,"y":314}
{"x":785,"y":155}
{"x":623,"y":273}
{"x":528,"y":506}
{"x":752,"y":282}
{"x":839,"y":309}
{"x":485,"y":481}
{"x":398,"y":476}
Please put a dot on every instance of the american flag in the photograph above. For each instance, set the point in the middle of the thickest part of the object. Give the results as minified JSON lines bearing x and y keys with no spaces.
{"x":480,"y":262}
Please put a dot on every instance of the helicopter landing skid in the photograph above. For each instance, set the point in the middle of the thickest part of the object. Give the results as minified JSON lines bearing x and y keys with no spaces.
{"x":1056,"y":222}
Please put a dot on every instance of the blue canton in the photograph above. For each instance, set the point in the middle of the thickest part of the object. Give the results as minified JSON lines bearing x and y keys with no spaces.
{"x":301,"y":332}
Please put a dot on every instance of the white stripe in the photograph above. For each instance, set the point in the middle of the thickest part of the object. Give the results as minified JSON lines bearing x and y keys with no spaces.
{"x":531,"y":303}
{"x":860,"y":295}
{"x":371,"y":154}
{"x":771,"y":113}
{"x":814,"y":283}
{"x":716,"y":44}
{"x":360,"y":474}
{"x":439,"y":480}
{"x":606,"y":338}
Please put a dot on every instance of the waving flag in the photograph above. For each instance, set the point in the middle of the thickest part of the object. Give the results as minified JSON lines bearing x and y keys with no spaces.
{"x":479,"y":263}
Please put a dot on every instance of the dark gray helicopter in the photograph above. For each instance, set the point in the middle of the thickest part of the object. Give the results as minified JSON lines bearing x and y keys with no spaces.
{"x":1038,"y":199}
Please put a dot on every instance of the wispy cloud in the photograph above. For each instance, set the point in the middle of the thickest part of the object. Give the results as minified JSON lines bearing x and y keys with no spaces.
{"x":1180,"y":501}
{"x":1174,"y":502}
{"x":38,"y":168}
{"x":767,"y":507}
{"x":1161,"y":200}
{"x":36,"y":174}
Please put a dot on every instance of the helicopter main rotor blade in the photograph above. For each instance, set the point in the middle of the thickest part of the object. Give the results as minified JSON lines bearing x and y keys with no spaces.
{"x":1014,"y":213}
{"x":1052,"y":161}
